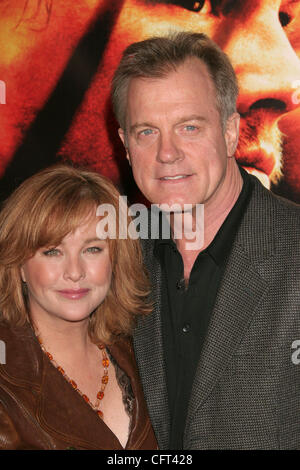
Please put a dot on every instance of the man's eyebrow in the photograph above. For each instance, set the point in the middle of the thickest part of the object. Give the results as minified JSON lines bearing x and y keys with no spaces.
{"x":191,"y":117}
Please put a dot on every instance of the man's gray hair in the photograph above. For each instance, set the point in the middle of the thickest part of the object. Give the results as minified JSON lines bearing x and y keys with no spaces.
{"x":158,"y":56}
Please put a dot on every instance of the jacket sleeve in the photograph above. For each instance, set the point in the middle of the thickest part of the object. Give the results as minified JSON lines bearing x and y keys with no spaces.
{"x":9,"y":436}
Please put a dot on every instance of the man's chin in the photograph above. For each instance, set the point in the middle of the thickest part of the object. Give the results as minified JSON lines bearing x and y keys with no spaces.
{"x":175,"y":207}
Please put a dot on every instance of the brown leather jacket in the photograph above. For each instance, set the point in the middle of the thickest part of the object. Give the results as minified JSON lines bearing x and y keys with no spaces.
{"x":39,"y":409}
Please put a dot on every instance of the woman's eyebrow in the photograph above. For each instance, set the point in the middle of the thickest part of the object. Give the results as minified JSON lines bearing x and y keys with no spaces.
{"x":93,"y":240}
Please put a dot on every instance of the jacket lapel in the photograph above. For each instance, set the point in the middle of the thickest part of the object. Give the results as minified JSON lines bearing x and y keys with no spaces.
{"x":231,"y":317}
{"x":65,"y":416}
{"x":148,"y":345}
{"x":241,"y":291}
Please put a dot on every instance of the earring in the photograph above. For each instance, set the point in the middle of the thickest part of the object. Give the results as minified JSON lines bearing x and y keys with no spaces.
{"x":24,"y":287}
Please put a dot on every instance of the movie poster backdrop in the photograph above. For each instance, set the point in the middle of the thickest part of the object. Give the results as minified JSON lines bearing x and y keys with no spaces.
{"x":58,"y":57}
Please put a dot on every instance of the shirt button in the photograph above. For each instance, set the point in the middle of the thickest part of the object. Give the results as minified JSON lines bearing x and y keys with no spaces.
{"x":180,"y":285}
{"x":186,"y":328}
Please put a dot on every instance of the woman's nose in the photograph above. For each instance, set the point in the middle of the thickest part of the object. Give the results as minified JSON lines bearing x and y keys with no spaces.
{"x":74,"y":269}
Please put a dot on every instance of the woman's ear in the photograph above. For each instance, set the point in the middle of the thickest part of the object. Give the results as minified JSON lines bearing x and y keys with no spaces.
{"x":22,"y":274}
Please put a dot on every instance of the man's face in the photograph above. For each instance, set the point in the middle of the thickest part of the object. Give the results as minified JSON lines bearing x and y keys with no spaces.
{"x":260,"y":38}
{"x":174,"y":138}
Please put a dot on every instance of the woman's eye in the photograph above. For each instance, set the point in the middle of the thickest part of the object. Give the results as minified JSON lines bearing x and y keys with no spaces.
{"x":94,"y":249}
{"x":51,"y":252}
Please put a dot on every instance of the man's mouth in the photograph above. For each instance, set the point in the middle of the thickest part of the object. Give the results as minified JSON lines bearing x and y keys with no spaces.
{"x":174,"y":178}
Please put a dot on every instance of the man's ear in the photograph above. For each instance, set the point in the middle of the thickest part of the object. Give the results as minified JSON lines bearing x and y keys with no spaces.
{"x":122,"y":136}
{"x":232,"y":133}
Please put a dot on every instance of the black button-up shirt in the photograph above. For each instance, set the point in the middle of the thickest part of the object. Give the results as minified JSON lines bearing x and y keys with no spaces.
{"x":187,"y":311}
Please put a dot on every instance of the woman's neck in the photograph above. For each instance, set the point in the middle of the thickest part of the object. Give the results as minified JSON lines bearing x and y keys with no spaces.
{"x":67,"y":341}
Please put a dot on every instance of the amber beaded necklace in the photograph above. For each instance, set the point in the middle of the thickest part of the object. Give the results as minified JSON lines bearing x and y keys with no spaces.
{"x":104,"y":380}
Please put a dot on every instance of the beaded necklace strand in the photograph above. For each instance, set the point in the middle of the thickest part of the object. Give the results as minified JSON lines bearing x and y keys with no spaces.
{"x":104,"y":380}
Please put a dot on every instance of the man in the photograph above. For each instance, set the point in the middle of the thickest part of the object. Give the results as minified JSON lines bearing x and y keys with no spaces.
{"x":217,"y":356}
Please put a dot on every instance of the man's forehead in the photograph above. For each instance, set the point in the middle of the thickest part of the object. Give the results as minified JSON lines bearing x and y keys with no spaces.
{"x":187,"y":83}
{"x":189,"y":65}
{"x":187,"y":102}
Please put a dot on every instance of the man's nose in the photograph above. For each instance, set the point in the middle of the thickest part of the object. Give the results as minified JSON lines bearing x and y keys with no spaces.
{"x":267,"y":67}
{"x":168,"y":148}
{"x":74,"y":269}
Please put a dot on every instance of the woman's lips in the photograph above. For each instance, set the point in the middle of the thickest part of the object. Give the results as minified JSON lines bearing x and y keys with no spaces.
{"x":73,"y":294}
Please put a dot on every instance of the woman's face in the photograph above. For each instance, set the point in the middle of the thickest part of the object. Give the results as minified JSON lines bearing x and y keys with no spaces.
{"x":67,"y":282}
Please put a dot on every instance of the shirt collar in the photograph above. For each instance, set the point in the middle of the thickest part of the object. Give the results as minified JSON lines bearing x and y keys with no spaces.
{"x":220,"y":246}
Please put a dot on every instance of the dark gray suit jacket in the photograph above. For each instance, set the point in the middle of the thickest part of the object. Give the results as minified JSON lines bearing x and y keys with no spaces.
{"x":246,"y":391}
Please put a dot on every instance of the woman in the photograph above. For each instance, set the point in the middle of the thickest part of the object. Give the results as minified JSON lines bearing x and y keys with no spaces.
{"x":68,"y":299}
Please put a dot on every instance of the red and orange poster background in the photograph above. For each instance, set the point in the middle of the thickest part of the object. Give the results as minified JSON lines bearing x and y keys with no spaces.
{"x":57,"y":59}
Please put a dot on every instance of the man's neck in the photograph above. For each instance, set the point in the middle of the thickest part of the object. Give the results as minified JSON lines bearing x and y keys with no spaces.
{"x":215,"y":213}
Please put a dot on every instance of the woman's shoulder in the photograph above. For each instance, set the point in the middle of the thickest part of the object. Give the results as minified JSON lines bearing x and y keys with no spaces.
{"x":15,"y":333}
{"x":121,"y":349}
{"x":6,"y":331}
{"x":122,"y":352}
{"x":20,"y":352}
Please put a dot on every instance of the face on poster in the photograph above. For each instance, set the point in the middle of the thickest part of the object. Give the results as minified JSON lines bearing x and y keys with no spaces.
{"x":260,"y":36}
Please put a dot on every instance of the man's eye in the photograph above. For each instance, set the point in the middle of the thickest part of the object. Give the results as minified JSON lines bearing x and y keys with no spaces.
{"x":190,"y":129}
{"x":146,"y":132}
{"x":191,"y":5}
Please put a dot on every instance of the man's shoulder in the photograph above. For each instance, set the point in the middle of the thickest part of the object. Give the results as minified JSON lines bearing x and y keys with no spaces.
{"x":269,"y":206}
{"x":270,"y":225}
{"x":148,"y":244}
{"x":256,"y":183}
